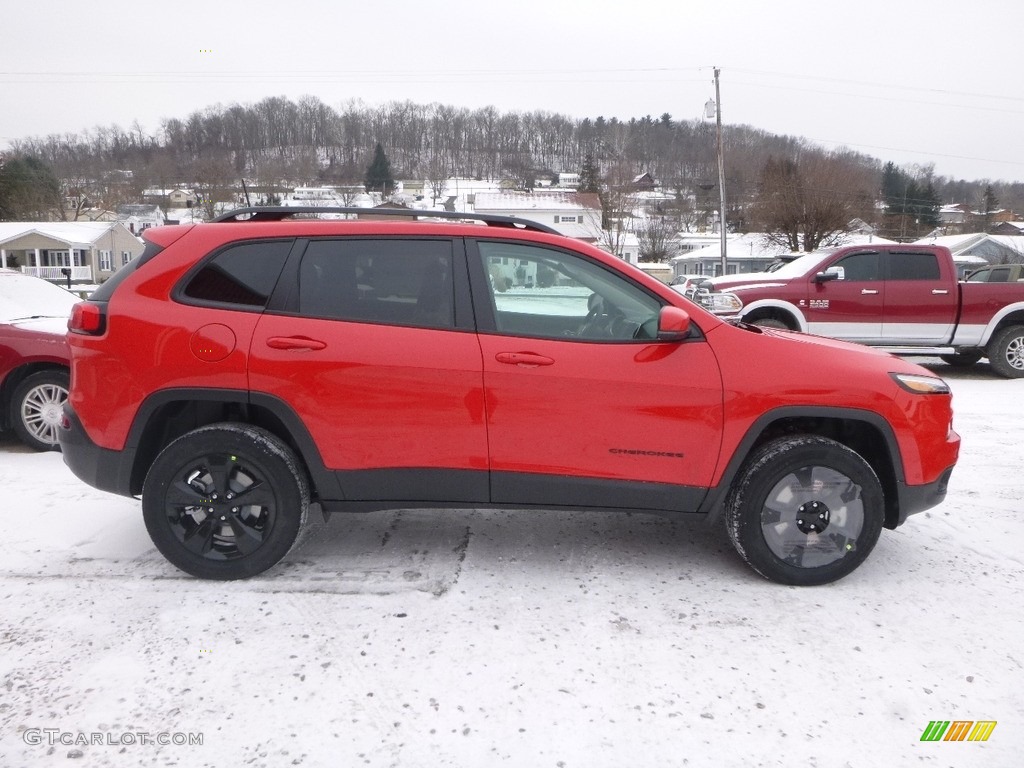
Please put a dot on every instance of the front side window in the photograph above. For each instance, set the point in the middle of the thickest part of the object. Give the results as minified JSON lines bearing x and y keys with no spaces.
{"x":243,"y":274}
{"x":395,"y":282}
{"x":860,"y":267}
{"x":554,"y":294}
{"x":981,"y":276}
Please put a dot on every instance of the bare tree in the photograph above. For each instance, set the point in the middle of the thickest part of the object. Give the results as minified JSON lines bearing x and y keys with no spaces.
{"x":655,"y":236}
{"x":806,"y":202}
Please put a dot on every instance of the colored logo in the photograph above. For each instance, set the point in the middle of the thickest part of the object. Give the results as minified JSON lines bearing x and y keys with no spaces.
{"x":958,"y":730}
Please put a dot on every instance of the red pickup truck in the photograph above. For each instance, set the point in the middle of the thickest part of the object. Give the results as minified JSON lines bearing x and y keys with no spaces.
{"x":906,"y":298}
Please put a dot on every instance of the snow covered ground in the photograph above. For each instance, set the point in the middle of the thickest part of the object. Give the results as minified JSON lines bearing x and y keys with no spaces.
{"x":479,"y":638}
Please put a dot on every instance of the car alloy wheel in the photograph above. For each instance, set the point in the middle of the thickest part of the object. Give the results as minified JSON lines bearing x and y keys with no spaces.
{"x":37,"y":408}
{"x":225,"y":501}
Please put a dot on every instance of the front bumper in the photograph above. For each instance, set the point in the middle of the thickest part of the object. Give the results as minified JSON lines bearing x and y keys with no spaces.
{"x":918,"y":498}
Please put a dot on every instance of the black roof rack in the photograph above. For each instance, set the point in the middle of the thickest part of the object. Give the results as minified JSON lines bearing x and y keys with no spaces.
{"x":279,"y":212}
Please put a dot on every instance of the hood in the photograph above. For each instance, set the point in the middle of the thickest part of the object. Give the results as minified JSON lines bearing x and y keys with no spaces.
{"x":56,"y":326}
{"x":752,"y":286}
{"x":25,"y":297}
{"x":727,"y":283}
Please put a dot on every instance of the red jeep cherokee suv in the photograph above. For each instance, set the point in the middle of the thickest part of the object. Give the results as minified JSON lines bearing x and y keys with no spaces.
{"x":240,"y":372}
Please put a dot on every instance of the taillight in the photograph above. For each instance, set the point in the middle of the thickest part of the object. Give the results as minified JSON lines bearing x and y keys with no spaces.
{"x":86,"y":318}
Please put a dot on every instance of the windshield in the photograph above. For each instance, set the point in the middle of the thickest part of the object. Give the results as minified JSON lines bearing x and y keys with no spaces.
{"x":802,"y":266}
{"x":23,"y":297}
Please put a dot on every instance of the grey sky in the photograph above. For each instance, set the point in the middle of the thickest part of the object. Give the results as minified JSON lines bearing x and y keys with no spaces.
{"x":902,"y":80}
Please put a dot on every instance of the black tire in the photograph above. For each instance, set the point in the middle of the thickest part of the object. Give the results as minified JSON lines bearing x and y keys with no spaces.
{"x":962,"y":359}
{"x":36,"y":408}
{"x":1006,"y":352}
{"x":194,"y":501}
{"x":805,"y":510}
{"x":770,"y":322}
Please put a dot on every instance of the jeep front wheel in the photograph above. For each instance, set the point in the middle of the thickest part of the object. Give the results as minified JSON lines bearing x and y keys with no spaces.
{"x":805,"y":510}
{"x":225,"y":501}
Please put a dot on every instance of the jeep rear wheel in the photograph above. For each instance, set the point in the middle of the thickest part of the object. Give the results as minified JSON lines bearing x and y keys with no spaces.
{"x":225,"y":501}
{"x":805,"y":510}
{"x":36,"y":408}
{"x":1006,"y":352}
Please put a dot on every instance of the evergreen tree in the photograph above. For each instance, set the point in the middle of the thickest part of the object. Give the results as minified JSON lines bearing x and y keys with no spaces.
{"x":29,"y":190}
{"x":894,"y":189}
{"x":928,"y":206}
{"x":989,"y":204}
{"x":378,"y":175}
{"x":589,"y":181}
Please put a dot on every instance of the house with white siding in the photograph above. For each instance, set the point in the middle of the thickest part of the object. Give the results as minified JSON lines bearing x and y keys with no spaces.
{"x":89,"y":251}
{"x":574,"y":214}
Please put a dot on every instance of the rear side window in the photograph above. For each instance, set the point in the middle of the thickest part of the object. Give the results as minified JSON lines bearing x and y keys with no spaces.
{"x":244,"y":274}
{"x":1001,"y":275}
{"x":396,"y":282}
{"x":913,"y":266}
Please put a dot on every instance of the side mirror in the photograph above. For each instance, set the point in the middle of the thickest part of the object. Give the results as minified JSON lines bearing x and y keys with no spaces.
{"x":832,"y":273}
{"x":673,"y":324}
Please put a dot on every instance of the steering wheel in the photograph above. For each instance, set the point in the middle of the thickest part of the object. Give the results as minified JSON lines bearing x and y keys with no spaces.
{"x":603,"y":321}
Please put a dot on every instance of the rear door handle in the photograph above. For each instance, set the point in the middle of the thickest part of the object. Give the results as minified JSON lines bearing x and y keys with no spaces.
{"x":868,"y":292}
{"x":295,"y":342}
{"x":525,"y":359}
{"x":939,"y":292}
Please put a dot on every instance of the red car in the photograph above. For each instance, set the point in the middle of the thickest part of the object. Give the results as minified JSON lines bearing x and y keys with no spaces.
{"x":241,"y":372}
{"x":34,"y":357}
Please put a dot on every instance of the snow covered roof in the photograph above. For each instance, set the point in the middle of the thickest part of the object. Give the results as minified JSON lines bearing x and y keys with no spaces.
{"x":972,"y":248}
{"x":555,"y":200}
{"x":754,"y":245}
{"x":70,"y":232}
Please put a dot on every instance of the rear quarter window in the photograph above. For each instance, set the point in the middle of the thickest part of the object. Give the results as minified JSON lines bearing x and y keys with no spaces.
{"x":243,"y":274}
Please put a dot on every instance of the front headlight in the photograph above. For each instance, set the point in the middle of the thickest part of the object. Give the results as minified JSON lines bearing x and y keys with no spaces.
{"x":721,"y":303}
{"x":921,"y":385}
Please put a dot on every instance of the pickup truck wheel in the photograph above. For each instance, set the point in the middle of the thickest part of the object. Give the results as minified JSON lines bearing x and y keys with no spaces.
{"x":961,"y":359}
{"x":805,"y":510}
{"x":225,"y":501}
{"x":1006,"y":352}
{"x":36,"y":408}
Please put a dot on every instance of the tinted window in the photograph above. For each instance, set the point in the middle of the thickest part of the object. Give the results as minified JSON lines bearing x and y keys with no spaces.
{"x":1000,"y":275}
{"x":399,"y":282}
{"x":241,"y":274}
{"x":547,"y":293}
{"x":981,"y":276}
{"x":860,"y":266}
{"x":913,"y":266}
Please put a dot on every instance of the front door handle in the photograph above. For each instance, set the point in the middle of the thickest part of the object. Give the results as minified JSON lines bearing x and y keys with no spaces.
{"x":295,"y":342}
{"x":939,"y":292}
{"x":868,"y":292}
{"x":525,"y":359}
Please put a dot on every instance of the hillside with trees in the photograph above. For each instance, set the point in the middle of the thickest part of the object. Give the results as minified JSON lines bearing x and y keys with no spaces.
{"x":782,"y":184}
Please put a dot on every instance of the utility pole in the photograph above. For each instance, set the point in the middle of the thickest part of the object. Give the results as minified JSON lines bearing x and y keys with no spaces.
{"x":721,"y":169}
